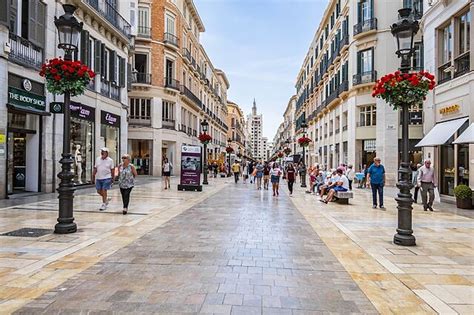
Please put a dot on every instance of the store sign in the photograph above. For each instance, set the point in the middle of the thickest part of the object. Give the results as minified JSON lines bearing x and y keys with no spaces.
{"x":370,"y":145}
{"x":450,"y":109}
{"x":56,"y":107}
{"x":190,"y":165}
{"x":82,"y":111}
{"x":109,"y":119}
{"x":26,"y":99}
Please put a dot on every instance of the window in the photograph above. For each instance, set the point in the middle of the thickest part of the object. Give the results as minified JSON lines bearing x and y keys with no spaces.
{"x":167,"y":111}
{"x":144,"y":21}
{"x":140,"y":108}
{"x":417,"y":61}
{"x":367,"y":116}
{"x":446,"y":45}
{"x":464,"y":24}
{"x":365,"y":10}
{"x":170,"y":24}
{"x":365,"y":61}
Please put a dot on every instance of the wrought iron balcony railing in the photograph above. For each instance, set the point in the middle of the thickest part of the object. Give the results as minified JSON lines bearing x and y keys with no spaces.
{"x":171,"y":83}
{"x":365,"y":26}
{"x":25,"y":52}
{"x":143,"y":31}
{"x":171,"y":39}
{"x":462,"y":65}
{"x":139,"y":77}
{"x":108,"y":11}
{"x":364,"y":77}
{"x":190,"y":95}
{"x":444,"y":73}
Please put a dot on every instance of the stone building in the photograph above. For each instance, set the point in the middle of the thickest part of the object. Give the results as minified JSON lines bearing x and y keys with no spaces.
{"x":30,"y":136}
{"x":236,"y":132}
{"x":351,"y":48}
{"x":255,"y":130}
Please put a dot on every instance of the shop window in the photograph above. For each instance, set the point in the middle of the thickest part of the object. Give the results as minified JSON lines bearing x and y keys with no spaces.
{"x":447,"y":169}
{"x":111,"y":136}
{"x":463,"y":164}
{"x":82,"y":135}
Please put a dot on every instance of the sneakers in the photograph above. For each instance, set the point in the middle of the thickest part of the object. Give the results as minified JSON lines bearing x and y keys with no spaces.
{"x":103,"y":207}
{"x":374,"y":207}
{"x":382,"y":208}
{"x":107,"y":202}
{"x":431,"y":209}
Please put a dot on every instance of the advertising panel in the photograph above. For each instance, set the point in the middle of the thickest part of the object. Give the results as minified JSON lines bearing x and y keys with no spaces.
{"x":190,"y":165}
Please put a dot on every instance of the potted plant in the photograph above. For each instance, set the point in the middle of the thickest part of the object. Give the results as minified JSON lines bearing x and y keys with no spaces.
{"x":304,"y":141}
{"x":205,"y":138}
{"x":463,"y":195}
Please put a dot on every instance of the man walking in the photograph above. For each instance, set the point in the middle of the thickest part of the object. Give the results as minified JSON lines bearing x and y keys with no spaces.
{"x":350,"y":174}
{"x":376,"y":180}
{"x":103,"y":175}
{"x":236,"y":171}
{"x":427,"y":182}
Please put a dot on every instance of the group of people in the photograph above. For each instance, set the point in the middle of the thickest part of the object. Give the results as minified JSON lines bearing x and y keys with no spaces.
{"x":262,"y":173}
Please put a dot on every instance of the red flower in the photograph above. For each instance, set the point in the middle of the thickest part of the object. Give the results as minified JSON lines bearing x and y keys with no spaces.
{"x":57,"y":77}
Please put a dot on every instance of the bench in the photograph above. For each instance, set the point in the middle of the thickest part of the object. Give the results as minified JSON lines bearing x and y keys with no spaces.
{"x":343,"y":197}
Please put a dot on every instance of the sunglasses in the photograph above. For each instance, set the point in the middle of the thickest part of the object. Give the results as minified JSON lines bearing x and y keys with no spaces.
{"x":124,"y":158}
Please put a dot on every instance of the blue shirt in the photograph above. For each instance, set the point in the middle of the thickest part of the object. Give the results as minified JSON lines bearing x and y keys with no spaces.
{"x":376,"y":174}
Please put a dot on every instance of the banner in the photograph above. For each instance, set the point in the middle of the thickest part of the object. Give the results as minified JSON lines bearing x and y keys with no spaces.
{"x":190,"y":165}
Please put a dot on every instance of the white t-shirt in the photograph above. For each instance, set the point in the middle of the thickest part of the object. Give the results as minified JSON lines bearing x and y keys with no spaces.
{"x":167,"y":167}
{"x":104,"y":167}
{"x":345,"y":181}
{"x":275,"y":172}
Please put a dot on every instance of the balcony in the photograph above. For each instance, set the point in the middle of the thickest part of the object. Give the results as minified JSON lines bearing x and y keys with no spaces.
{"x":110,"y":90}
{"x":331,"y":97}
{"x":444,"y":73}
{"x":344,"y":41}
{"x":365,"y":26}
{"x":144,"y":31}
{"x":142,"y":78}
{"x":182,"y":128}
{"x":343,"y":87}
{"x":108,"y":11}
{"x":171,"y":83}
{"x":171,"y":39}
{"x":25,"y":52}
{"x":364,"y":77}
{"x":187,"y":54}
{"x":462,"y":65}
{"x":190,"y":95}
{"x":168,"y":124}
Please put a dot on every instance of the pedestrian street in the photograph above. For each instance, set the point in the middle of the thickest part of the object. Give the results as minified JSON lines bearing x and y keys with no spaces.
{"x":232,"y":249}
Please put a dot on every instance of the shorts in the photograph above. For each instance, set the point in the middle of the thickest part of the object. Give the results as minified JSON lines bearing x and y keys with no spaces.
{"x":339,"y":188}
{"x":103,"y":184}
{"x":259,"y":175}
{"x":266,"y":177}
{"x":275,"y":179}
{"x":167,"y":174}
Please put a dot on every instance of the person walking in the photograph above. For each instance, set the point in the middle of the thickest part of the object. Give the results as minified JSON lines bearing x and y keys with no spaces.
{"x":259,"y":174}
{"x":215,"y":169}
{"x":275,"y":174}
{"x":414,"y":181}
{"x":251,"y":169}
{"x":376,"y":181}
{"x":350,"y":174}
{"x":427,"y":182}
{"x":363,"y":181}
{"x":103,"y":176}
{"x":301,"y":171}
{"x":167,"y":167}
{"x":126,"y":176}
{"x":245,"y":172}
{"x":236,"y":171}
{"x":290,"y":177}
{"x":266,"y":175}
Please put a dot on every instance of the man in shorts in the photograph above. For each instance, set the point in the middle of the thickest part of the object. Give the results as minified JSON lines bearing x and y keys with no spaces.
{"x":103,"y":175}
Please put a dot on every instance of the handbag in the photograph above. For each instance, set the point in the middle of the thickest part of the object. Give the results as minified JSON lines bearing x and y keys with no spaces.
{"x":437,"y":198}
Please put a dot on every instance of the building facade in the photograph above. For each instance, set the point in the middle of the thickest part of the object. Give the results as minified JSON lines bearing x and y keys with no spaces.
{"x":236,"y":132}
{"x":449,"y":111}
{"x":255,"y":130}
{"x":175,"y":86}
{"x":285,"y":136}
{"x":31,"y":137}
{"x":351,"y":48}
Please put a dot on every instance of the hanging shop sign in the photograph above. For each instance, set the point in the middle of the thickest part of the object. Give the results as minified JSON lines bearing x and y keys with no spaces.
{"x":190,"y":168}
{"x":109,"y":119}
{"x":82,"y":111}
{"x":450,"y":109}
{"x":26,"y":99}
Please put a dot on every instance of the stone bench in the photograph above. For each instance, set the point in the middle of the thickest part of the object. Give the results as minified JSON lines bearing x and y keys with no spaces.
{"x":343,"y":197}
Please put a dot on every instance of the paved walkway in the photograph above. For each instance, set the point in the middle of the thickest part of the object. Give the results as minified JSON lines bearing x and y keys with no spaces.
{"x":240,"y":251}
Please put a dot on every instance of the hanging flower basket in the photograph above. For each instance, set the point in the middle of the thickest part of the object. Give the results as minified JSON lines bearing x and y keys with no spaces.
{"x":287,"y":151}
{"x":229,"y":150}
{"x":280,"y":154}
{"x":401,"y":89}
{"x":64,"y":75}
{"x":304,"y":141}
{"x":204,"y":138}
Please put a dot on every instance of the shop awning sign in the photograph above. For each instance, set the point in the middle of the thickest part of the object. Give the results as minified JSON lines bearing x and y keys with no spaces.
{"x":109,"y":119}
{"x":27,"y":100}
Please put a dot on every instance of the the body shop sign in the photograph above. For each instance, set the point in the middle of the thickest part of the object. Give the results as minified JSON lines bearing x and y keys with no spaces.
{"x":109,"y":119}
{"x":26,"y":99}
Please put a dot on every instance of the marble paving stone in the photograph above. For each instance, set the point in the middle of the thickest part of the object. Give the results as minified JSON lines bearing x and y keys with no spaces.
{"x":240,"y":251}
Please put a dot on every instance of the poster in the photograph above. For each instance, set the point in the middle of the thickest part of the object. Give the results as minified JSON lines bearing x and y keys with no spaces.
{"x":190,"y":165}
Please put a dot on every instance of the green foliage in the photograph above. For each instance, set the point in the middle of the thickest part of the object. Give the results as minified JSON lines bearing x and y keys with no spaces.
{"x":463,"y":192}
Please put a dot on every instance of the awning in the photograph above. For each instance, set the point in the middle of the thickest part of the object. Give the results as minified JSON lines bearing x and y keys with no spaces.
{"x":467,"y":136}
{"x":441,"y":133}
{"x":28,"y":110}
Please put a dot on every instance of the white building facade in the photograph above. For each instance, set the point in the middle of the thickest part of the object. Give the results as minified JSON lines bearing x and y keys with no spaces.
{"x":255,"y":129}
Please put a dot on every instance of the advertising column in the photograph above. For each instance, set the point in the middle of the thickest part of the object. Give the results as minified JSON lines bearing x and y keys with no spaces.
{"x":190,"y":168}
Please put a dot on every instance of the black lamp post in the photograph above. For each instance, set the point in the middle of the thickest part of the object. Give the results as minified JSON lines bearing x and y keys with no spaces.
{"x":404,"y":32}
{"x":287,"y":142}
{"x":204,"y":126}
{"x":229,"y":142}
{"x":69,"y":30}
{"x":303,"y":176}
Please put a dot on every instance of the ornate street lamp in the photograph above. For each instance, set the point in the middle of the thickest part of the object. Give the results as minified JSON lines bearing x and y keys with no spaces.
{"x":404,"y":32}
{"x":303,"y":176}
{"x":204,"y":126}
{"x":69,"y":30}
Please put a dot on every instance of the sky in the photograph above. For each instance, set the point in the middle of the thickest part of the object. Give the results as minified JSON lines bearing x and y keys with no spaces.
{"x":260,"y":45}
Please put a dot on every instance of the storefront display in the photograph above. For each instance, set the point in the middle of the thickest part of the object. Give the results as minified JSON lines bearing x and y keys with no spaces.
{"x":82,"y":142}
{"x":110,"y":133}
{"x":140,"y":154}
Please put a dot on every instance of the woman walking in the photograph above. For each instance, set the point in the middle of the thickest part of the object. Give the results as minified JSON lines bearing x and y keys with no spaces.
{"x":167,"y":166}
{"x":275,"y":174}
{"x":127,"y":174}
{"x":245,"y":172}
{"x":290,"y":177}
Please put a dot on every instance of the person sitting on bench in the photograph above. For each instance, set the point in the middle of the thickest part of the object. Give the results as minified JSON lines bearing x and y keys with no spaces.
{"x":330,"y":181}
{"x":342,"y":184}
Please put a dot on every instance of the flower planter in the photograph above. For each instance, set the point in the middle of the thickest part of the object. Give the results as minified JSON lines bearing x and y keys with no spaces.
{"x":464,"y":203}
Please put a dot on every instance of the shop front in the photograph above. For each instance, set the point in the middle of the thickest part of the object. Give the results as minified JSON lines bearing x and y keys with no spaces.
{"x":368,"y":152}
{"x":23,"y":142}
{"x":110,"y":134}
{"x":451,"y":154}
{"x":82,"y":142}
{"x":140,"y":152}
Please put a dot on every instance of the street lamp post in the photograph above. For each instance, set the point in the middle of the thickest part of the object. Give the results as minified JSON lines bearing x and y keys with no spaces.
{"x":69,"y":30}
{"x":404,"y":32}
{"x":229,"y":142}
{"x":204,"y":126}
{"x":303,"y":176}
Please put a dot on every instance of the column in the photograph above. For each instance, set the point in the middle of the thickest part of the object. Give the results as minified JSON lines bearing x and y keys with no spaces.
{"x":3,"y":112}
